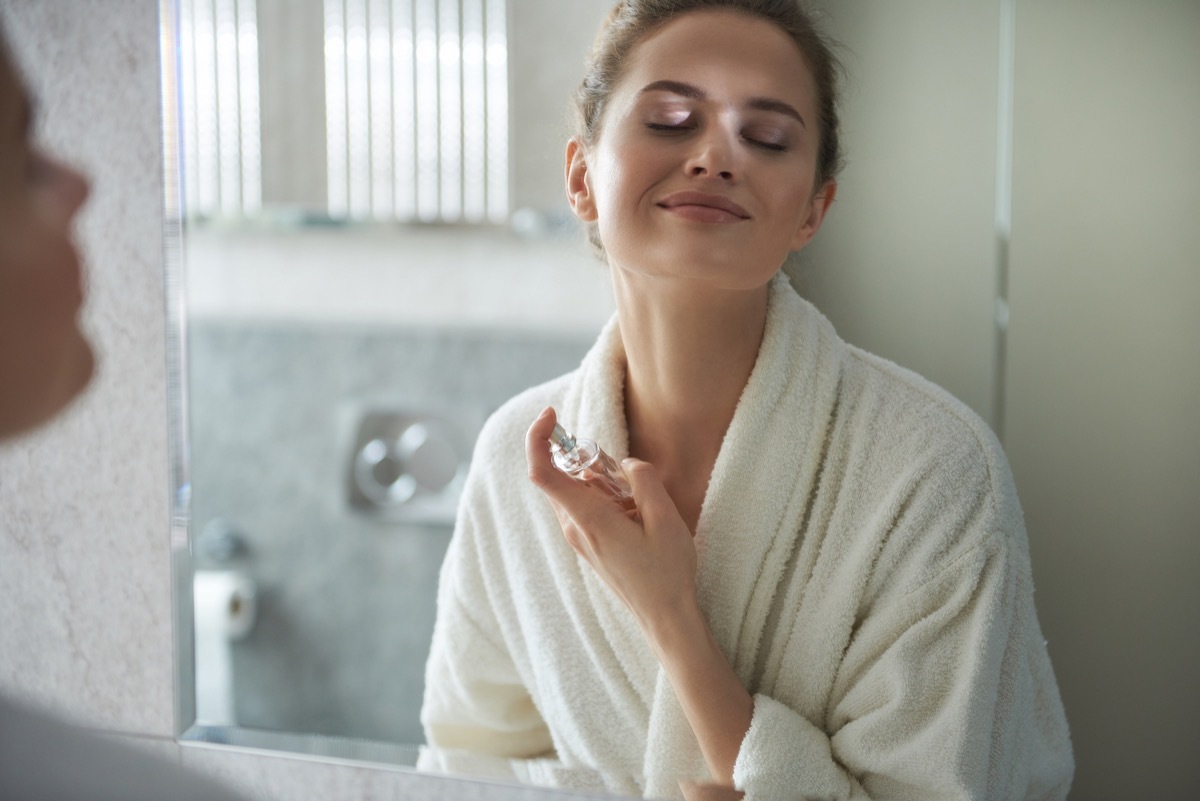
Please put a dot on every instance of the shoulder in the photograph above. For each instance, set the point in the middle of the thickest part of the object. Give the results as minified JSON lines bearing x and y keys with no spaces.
{"x":501,"y":442}
{"x":497,"y":488}
{"x":937,"y":469}
{"x":915,"y":420}
{"x":502,"y":519}
{"x":890,"y":416}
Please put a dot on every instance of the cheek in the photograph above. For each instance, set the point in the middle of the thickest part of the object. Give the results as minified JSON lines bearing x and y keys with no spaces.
{"x":796,"y":207}
{"x":626,"y":168}
{"x":609,"y":184}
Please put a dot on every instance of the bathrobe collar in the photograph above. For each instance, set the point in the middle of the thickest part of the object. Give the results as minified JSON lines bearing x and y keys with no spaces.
{"x":754,"y":509}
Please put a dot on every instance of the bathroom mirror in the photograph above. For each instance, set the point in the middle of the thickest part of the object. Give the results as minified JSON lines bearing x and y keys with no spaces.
{"x":306,"y":337}
{"x":372,"y":252}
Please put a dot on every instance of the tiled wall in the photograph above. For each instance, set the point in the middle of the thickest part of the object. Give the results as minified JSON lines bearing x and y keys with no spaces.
{"x":345,"y":594}
{"x":85,"y":594}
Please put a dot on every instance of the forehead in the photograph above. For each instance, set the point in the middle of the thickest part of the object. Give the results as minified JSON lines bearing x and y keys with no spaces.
{"x":725,"y":49}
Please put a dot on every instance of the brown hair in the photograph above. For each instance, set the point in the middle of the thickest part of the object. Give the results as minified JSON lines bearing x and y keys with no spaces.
{"x":630,"y":21}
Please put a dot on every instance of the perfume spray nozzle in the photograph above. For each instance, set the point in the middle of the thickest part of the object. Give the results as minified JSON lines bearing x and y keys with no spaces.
{"x":562,"y":439}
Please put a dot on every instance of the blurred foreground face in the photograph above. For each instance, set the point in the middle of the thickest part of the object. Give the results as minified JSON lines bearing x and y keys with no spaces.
{"x":44,"y":358}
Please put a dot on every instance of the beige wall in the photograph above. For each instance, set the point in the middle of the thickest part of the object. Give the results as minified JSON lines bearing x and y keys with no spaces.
{"x":1103,"y":402}
{"x":905,"y":265}
{"x":1101,"y":411}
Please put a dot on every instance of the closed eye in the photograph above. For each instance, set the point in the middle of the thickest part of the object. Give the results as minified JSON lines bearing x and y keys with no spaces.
{"x":672,"y":128}
{"x":660,"y":126}
{"x":774,"y":147}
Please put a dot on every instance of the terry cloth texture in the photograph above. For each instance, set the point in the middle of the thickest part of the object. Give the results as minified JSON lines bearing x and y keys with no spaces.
{"x":862,"y":562}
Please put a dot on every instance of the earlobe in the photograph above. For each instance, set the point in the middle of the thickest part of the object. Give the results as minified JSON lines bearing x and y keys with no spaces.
{"x":821,"y":202}
{"x":579,"y":190}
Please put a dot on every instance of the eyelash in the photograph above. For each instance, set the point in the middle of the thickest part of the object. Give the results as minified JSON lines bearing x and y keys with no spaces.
{"x":770,"y":147}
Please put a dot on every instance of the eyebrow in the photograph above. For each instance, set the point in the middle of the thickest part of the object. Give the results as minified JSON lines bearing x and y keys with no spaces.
{"x":696,"y":93}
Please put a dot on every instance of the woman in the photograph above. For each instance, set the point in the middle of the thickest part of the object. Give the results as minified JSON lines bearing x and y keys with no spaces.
{"x":45,"y":361}
{"x":828,"y":593}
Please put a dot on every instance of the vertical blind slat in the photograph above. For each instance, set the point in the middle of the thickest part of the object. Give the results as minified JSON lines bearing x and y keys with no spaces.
{"x":337,"y":164}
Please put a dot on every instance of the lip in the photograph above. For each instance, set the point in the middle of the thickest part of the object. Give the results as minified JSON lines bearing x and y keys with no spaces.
{"x":704,"y":206}
{"x":79,"y":281}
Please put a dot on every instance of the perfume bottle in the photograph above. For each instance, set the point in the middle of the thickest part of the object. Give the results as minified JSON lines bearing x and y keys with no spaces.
{"x":583,"y":460}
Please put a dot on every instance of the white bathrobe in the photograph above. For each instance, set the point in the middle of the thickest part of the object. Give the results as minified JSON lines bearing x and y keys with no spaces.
{"x":862,"y":563}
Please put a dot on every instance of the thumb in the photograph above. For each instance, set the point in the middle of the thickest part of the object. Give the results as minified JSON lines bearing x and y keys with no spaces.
{"x":653,"y":502}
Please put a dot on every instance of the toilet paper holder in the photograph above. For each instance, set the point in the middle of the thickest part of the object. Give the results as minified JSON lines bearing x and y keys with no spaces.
{"x":225,"y":607}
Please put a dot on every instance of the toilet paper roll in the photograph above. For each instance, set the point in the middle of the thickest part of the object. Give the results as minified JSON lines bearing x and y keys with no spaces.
{"x":224,"y":603}
{"x":225,"y":609}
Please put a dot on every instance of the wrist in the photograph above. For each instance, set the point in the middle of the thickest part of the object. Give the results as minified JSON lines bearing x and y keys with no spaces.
{"x":676,"y":627}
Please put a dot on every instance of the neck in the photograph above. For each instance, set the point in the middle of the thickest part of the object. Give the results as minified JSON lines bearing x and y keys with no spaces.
{"x":689,"y":352}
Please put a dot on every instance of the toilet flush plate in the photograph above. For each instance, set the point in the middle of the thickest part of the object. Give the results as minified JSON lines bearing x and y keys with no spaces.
{"x":407,"y":465}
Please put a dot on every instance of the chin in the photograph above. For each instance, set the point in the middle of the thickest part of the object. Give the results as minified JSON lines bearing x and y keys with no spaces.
{"x":60,"y":390}
{"x":79,"y":371}
{"x":730,"y":278}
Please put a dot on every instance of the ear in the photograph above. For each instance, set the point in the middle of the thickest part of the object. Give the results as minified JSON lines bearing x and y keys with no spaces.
{"x":818,"y":206}
{"x":579,"y":185}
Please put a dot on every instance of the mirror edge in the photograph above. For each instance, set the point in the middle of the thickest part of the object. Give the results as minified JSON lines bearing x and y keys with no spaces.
{"x":176,"y":368}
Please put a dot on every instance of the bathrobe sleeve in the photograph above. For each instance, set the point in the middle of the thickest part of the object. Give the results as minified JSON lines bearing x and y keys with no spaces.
{"x":944,"y":692}
{"x":475,"y":699}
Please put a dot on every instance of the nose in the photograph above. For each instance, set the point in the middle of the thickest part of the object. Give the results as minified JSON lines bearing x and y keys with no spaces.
{"x":714,"y":155}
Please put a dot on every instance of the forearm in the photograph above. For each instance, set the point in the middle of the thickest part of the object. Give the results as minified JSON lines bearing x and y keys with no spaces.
{"x":715,"y":702}
{"x":651,"y":566}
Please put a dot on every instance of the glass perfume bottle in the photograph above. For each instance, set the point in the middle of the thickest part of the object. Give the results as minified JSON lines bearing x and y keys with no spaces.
{"x":583,"y":460}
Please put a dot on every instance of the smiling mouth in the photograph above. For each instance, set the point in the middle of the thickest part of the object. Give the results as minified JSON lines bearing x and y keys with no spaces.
{"x":703,"y":207}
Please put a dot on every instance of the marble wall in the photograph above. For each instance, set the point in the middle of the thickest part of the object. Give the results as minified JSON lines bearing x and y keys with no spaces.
{"x":86,"y":608}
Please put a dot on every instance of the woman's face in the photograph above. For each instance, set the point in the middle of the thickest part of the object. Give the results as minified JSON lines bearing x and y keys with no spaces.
{"x":705,"y":164}
{"x":44,"y":358}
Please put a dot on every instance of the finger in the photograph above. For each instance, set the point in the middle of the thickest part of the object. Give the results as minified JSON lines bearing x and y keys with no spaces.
{"x":579,"y":540}
{"x":542,"y":472}
{"x":575,"y":535}
{"x":573,"y":499}
{"x":653,"y":501}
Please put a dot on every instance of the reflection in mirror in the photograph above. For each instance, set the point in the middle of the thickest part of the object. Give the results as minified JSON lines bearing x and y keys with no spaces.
{"x":911,"y":266}
{"x":368,"y":277}
{"x":364,"y":286}
{"x":375,"y":254}
{"x":365,"y":283}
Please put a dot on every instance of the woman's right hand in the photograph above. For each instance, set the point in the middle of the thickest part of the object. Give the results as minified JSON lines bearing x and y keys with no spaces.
{"x":649,"y":563}
{"x":651,"y":566}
